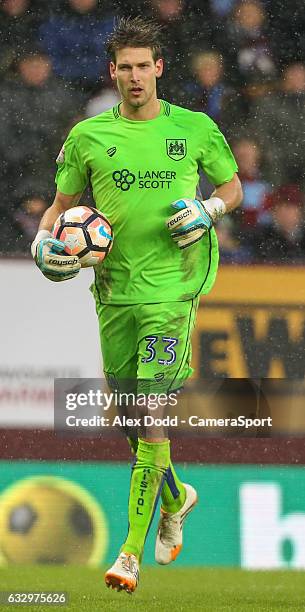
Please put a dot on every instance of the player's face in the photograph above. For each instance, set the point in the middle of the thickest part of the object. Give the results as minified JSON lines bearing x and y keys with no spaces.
{"x":135,"y":73}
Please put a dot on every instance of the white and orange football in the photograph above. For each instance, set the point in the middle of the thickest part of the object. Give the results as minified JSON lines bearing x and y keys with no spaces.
{"x":86,"y":232}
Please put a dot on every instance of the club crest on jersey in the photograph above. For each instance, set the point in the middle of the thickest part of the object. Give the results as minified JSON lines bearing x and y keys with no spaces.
{"x":176,"y":148}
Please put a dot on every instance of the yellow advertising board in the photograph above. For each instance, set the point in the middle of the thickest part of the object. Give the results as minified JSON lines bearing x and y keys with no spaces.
{"x":252,"y":325}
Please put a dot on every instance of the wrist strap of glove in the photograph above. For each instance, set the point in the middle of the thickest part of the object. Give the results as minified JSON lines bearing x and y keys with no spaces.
{"x":41,"y":235}
{"x":215,"y":207}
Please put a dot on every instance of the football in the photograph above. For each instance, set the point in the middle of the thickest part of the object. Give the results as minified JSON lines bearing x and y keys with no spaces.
{"x":52,"y":521}
{"x":86,"y":233}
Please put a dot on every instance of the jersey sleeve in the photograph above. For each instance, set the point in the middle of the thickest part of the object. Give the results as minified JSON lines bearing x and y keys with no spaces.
{"x":72,"y":173}
{"x":217,"y":159}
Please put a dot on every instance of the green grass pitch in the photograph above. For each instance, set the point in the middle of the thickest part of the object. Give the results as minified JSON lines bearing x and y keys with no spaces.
{"x":166,"y":589}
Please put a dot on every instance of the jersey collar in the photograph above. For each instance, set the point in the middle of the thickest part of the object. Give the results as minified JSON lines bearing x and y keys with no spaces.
{"x":164,"y":110}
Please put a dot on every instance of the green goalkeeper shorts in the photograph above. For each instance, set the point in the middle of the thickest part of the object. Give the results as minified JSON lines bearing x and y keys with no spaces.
{"x":147,"y":346}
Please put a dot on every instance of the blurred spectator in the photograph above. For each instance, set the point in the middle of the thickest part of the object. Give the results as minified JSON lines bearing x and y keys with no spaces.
{"x":286,"y":30}
{"x":34,"y":110}
{"x":247,"y":44}
{"x":230,"y":249}
{"x":208,"y":92}
{"x":101,"y":102}
{"x":19,"y":20}
{"x":283,"y":241}
{"x":278,"y":124}
{"x":222,"y":8}
{"x":182,"y":36}
{"x":75,"y":42}
{"x":248,"y":156}
{"x":27,"y":218}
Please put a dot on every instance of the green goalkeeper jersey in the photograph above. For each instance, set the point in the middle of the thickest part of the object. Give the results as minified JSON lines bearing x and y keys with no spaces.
{"x":136,"y":169}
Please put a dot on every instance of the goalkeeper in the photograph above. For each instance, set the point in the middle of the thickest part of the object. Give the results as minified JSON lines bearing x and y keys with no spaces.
{"x":142,"y":159}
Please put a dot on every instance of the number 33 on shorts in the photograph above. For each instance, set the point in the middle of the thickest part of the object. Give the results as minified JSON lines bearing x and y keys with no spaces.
{"x":164,"y":359}
{"x":168,"y":345}
{"x":164,"y":342}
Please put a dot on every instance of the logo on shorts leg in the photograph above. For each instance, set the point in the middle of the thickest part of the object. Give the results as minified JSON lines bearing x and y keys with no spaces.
{"x":159,"y":376}
{"x":176,"y":148}
{"x":123,"y":179}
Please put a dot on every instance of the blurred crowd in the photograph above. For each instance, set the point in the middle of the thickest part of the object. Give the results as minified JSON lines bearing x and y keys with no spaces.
{"x":240,"y":61}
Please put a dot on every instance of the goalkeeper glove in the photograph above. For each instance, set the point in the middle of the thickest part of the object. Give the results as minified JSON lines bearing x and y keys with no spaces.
{"x":194,"y":219}
{"x":55,"y":267}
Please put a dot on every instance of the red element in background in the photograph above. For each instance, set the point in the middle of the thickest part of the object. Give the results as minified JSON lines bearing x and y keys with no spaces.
{"x":47,"y":445}
{"x":287,"y":194}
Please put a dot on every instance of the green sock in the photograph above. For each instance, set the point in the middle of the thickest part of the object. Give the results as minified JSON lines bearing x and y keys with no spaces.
{"x":173,"y":492}
{"x":146,"y":481}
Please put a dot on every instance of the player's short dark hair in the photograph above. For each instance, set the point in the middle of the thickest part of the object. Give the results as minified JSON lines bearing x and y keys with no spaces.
{"x":135,"y":32}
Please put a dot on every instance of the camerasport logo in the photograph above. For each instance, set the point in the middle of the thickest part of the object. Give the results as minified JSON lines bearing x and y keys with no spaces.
{"x":147,"y":179}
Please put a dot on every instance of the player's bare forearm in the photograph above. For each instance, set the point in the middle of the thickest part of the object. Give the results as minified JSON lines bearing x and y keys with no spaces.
{"x":61,"y":203}
{"x":231,"y":193}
